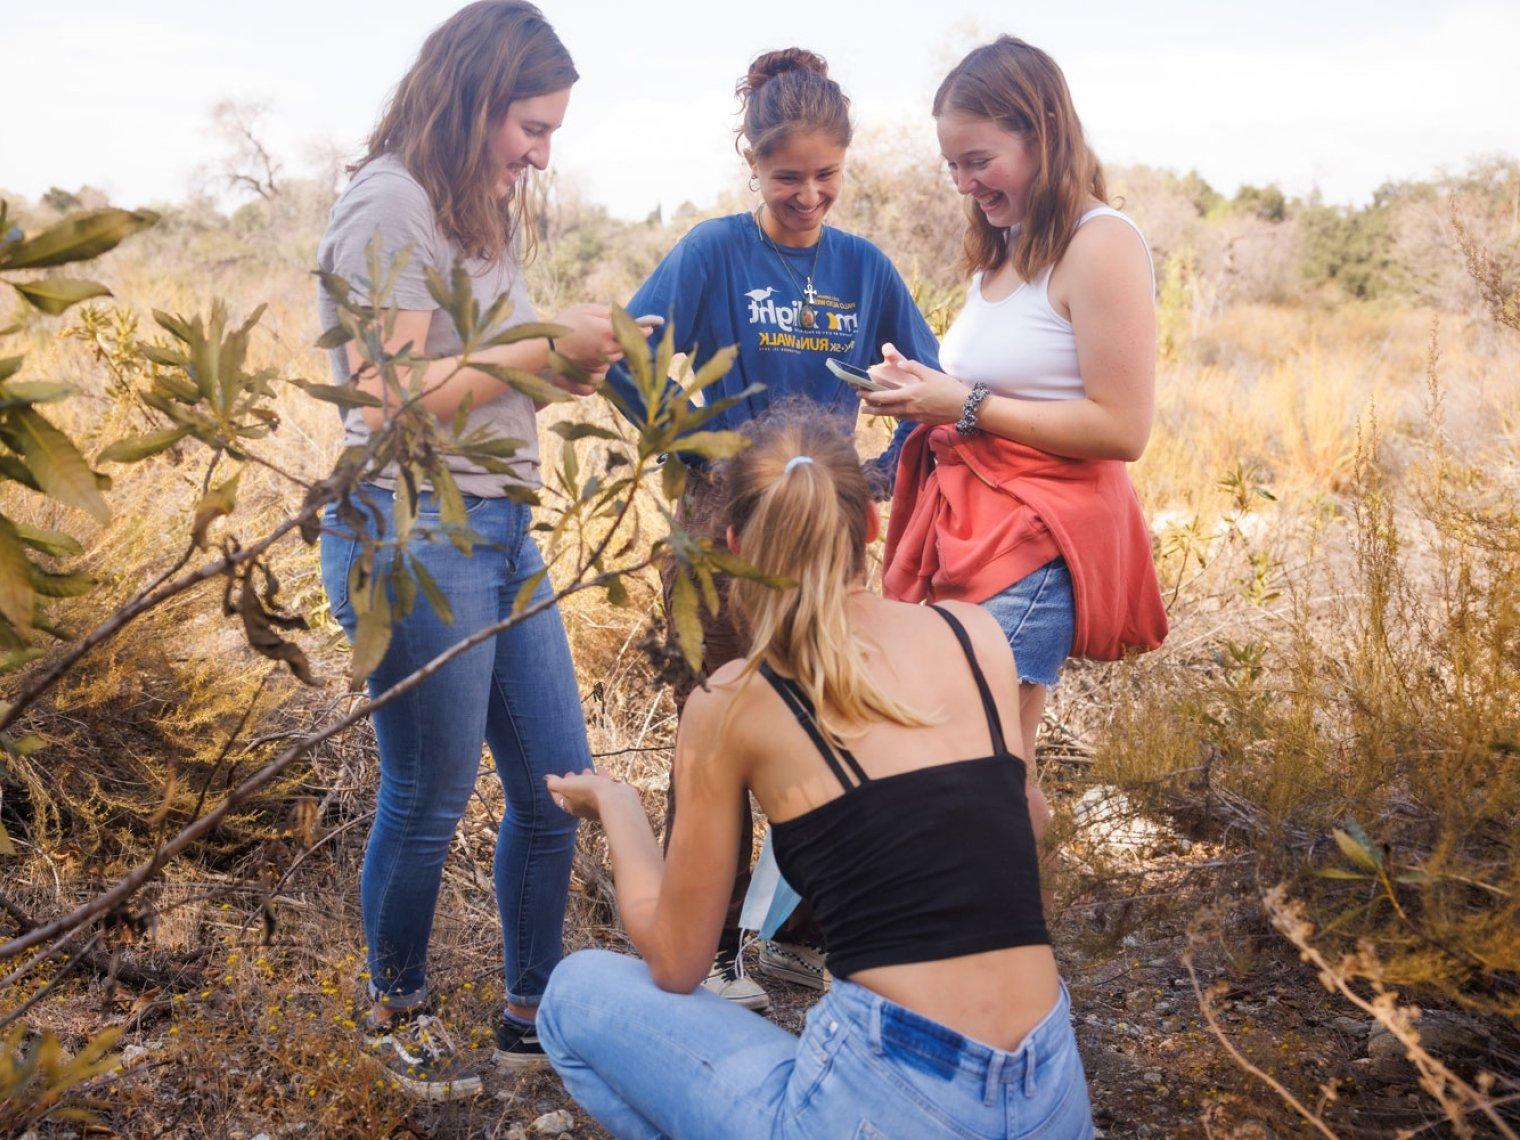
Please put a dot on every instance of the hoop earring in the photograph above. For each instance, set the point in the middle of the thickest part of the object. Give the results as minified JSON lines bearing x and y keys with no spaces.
{"x":754,"y":182}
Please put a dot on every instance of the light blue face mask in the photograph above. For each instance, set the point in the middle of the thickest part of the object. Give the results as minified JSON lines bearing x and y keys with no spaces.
{"x":770,"y":899}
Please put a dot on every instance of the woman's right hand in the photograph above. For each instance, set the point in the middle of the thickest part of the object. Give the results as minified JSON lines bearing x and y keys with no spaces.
{"x":590,"y":341}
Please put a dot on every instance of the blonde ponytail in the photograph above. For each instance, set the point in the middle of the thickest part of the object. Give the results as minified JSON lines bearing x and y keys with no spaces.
{"x":800,"y":505}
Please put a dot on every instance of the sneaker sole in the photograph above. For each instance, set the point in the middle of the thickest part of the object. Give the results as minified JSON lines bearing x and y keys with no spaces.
{"x":798,"y":977}
{"x":437,"y":1092}
{"x":519,"y":1062}
{"x":759,"y":1003}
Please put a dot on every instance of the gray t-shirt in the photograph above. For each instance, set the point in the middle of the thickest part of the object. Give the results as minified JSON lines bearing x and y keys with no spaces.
{"x":383,"y":196}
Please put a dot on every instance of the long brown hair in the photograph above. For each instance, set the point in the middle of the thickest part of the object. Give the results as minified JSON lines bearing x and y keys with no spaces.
{"x":1020,"y":88}
{"x":800,"y":505}
{"x":786,"y":92}
{"x":474,"y":65}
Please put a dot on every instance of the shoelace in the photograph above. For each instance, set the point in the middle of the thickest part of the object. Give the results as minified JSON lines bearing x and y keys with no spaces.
{"x":426,"y":1036}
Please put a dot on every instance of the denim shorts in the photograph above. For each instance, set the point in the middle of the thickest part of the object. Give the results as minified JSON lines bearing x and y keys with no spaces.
{"x":1038,"y":616}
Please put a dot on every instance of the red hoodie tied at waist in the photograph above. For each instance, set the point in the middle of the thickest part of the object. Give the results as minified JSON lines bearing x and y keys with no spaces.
{"x":970,"y":517}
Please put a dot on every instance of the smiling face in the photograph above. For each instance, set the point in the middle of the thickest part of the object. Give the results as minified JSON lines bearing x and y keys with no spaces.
{"x":799,"y":179}
{"x":521,"y":138}
{"x":993,"y":166}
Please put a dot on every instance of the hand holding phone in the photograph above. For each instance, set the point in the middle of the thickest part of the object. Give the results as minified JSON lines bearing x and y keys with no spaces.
{"x":857,"y":378}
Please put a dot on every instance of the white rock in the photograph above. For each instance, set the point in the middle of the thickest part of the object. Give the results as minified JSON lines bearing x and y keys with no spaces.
{"x":555,"y":1123}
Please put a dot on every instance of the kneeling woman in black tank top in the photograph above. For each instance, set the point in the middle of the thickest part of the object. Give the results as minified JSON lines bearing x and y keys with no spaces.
{"x":872,"y":733}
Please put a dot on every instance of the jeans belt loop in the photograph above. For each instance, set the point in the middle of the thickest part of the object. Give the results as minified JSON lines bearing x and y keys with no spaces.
{"x":873,"y":1025}
{"x":1029,"y":1063}
{"x":994,"y":1076}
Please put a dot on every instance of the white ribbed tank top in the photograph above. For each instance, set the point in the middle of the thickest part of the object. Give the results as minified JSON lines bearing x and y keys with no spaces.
{"x":1020,"y":346}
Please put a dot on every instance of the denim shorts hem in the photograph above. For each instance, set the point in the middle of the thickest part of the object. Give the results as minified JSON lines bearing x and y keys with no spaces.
{"x":1038,"y":616}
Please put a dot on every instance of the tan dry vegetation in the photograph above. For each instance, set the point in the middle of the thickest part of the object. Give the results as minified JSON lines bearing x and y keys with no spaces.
{"x":1331,"y":485}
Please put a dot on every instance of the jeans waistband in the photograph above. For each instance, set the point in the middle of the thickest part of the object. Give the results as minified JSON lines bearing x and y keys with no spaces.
{"x":890,"y":1028}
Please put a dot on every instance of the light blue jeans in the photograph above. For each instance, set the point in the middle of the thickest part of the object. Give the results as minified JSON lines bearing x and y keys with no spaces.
{"x":517,"y":692}
{"x":648,"y":1063}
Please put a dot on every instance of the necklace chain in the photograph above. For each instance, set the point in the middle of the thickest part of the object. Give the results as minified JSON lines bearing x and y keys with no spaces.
{"x":809,"y":294}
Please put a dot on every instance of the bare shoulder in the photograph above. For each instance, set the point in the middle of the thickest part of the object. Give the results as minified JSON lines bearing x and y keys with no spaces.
{"x":1107,"y":243}
{"x":987,"y":639}
{"x":718,"y":710}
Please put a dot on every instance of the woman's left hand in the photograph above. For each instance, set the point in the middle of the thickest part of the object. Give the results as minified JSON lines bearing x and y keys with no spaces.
{"x":915,"y":391}
{"x":582,"y":793}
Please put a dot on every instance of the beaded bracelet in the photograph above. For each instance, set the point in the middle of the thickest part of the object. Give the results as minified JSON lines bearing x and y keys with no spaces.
{"x":966,"y":425}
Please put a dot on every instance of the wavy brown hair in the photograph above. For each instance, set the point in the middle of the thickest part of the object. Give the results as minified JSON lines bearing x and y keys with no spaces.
{"x":1020,"y":88}
{"x":789,"y":91}
{"x":807,"y":524}
{"x":472,"y":67}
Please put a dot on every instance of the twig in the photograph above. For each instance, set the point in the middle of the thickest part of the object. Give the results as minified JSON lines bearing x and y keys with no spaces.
{"x":53,"y":983}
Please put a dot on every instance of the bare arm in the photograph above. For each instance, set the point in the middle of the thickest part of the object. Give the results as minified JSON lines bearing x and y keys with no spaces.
{"x":672,"y":907}
{"x":446,"y":386}
{"x":1106,"y":283}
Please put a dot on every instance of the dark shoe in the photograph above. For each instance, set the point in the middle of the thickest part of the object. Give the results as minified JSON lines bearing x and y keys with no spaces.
{"x":419,"y":1056}
{"x":517,"y":1045}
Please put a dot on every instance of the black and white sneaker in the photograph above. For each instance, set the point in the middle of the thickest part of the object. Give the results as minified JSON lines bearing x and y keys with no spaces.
{"x":517,"y":1045}
{"x":729,"y":981}
{"x":799,"y":964}
{"x":419,"y":1056}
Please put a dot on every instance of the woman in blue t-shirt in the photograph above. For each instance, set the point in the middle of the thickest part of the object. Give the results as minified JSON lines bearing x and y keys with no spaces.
{"x":790,"y":293}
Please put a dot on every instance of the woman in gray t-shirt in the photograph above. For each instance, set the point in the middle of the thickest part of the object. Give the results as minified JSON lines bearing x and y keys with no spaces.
{"x":440,"y":183}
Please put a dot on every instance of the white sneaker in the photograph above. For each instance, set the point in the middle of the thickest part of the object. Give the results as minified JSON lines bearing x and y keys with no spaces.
{"x":802,"y":965}
{"x":729,"y":981}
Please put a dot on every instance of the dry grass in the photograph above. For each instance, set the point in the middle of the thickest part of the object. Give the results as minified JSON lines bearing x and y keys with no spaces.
{"x":1338,"y":550}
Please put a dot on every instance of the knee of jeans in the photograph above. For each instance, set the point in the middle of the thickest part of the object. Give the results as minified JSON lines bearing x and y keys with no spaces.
{"x":581,"y":974}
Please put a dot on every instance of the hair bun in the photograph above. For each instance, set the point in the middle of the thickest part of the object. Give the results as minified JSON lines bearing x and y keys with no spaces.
{"x":770,"y":64}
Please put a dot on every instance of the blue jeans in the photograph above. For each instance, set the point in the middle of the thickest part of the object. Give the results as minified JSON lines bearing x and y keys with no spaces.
{"x":1039,"y":616}
{"x":647,"y":1063}
{"x":517,"y":692}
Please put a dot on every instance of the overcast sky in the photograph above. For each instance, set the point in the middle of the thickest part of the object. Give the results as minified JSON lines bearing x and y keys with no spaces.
{"x":1328,"y":93}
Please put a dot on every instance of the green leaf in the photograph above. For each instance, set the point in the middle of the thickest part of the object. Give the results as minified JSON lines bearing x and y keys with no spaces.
{"x":617,"y":592}
{"x":713,"y":369}
{"x":526,"y":591}
{"x":16,"y":593}
{"x":635,"y":345}
{"x":713,"y":444}
{"x":528,"y":330}
{"x":51,"y":585}
{"x":134,"y":448}
{"x":530,"y":384}
{"x":218,"y":501}
{"x":9,"y":366}
{"x":335,"y":337}
{"x":7,"y":848}
{"x":52,"y":542}
{"x":372,"y":637}
{"x":574,"y":431}
{"x":1342,"y":873}
{"x":686,"y":621}
{"x":1359,"y":852}
{"x":673,"y":478}
{"x":54,"y":295}
{"x":344,"y":395}
{"x":56,"y":463}
{"x":432,"y":592}
{"x":24,"y":393}
{"x":77,"y":238}
{"x":10,"y":662}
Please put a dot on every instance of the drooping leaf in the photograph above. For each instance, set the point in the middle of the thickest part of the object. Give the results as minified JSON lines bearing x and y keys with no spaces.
{"x":1357,"y":850}
{"x":528,"y":330}
{"x":56,"y":463}
{"x":215,"y":503}
{"x":526,"y":591}
{"x":16,"y":594}
{"x":673,"y":478}
{"x":372,"y":637}
{"x":430,"y":590}
{"x":54,"y":295}
{"x":10,"y":365}
{"x":344,"y":395}
{"x":77,"y":238}
{"x":51,"y":585}
{"x":134,"y":448}
{"x":335,"y":337}
{"x":686,"y":621}
{"x":617,"y":592}
{"x":52,"y":542}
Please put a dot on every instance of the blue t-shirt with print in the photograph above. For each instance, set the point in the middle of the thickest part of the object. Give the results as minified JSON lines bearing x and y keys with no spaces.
{"x":724,"y":284}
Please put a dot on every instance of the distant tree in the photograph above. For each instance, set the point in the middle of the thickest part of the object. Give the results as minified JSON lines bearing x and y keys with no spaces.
{"x":1264,"y":202}
{"x":247,"y":163}
{"x":1204,"y":197}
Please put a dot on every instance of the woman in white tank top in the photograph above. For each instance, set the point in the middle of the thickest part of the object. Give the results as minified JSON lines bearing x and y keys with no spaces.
{"x":1054,"y":350}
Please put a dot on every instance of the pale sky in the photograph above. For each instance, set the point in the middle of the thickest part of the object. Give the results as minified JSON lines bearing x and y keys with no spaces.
{"x":1329,"y":93}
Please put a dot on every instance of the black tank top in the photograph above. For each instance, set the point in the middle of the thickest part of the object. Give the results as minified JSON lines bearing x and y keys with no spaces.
{"x":917,"y":866}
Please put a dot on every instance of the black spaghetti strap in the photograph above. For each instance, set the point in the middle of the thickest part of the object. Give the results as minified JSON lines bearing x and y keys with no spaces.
{"x":989,"y":706}
{"x":844,"y":753}
{"x":805,"y":719}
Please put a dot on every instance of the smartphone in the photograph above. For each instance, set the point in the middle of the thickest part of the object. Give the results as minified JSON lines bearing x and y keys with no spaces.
{"x":857,"y":378}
